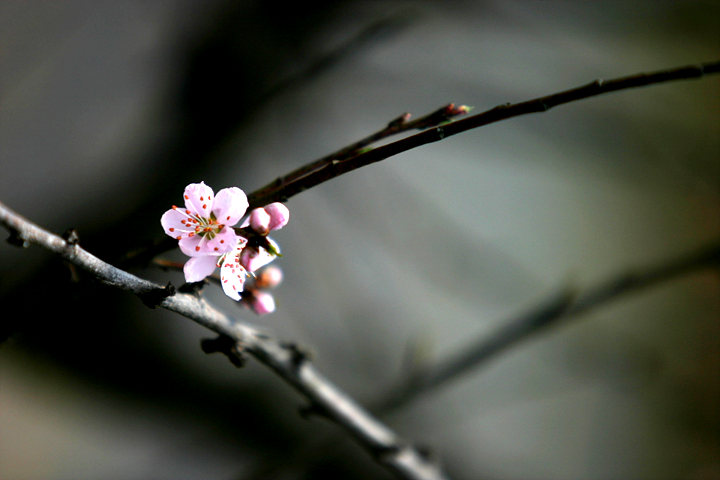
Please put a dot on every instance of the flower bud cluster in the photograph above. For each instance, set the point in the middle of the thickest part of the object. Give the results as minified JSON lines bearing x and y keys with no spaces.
{"x":256,"y":296}
{"x":205,"y":233}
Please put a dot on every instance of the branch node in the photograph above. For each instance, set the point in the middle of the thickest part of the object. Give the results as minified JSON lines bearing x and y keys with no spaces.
{"x":155,"y":297}
{"x":441,"y":132}
{"x":71,"y":237}
{"x":298,"y":355}
{"x":426,"y":452}
{"x":312,"y":409}
{"x":193,"y":288}
{"x":599,"y":82}
{"x":402,"y":119}
{"x":384,"y":453}
{"x":17,"y":240}
{"x":227,"y":346}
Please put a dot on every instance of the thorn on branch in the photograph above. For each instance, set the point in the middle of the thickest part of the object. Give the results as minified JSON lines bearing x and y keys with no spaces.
{"x":155,"y":297}
{"x":71,"y":237}
{"x":15,"y":239}
{"x":227,"y":346}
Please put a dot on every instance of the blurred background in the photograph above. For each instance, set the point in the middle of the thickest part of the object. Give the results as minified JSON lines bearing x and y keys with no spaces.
{"x":108,"y":109}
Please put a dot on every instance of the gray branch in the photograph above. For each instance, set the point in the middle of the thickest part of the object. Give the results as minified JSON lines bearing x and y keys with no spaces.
{"x":562,"y":307}
{"x":285,"y":360}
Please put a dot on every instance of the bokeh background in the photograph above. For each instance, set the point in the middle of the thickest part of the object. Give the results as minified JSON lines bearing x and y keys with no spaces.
{"x":108,"y":109}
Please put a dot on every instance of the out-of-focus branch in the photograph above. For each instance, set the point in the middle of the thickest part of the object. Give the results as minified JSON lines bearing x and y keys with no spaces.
{"x":553,"y":312}
{"x":285,"y":360}
{"x":282,"y":192}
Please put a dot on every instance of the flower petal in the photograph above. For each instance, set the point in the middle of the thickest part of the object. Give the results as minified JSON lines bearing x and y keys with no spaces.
{"x":230,"y":205}
{"x":196,"y":246}
{"x":174,"y":223}
{"x":197,"y":268}
{"x":225,"y":241}
{"x":279,"y":215}
{"x":199,"y":199}
{"x":232,"y":277}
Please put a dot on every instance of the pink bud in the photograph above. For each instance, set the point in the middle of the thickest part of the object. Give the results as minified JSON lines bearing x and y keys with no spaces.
{"x":252,"y":258}
{"x":260,"y":221}
{"x":269,"y":277}
{"x":261,"y":302}
{"x":279,"y":215}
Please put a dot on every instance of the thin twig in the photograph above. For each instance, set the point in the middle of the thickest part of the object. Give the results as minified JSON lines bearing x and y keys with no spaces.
{"x":388,"y":449}
{"x":552,"y":312}
{"x":401,"y":124}
{"x":329,"y":167}
{"x":502,"y":112}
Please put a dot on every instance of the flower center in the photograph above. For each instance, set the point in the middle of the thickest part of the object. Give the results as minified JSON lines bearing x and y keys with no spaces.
{"x":206,"y":227}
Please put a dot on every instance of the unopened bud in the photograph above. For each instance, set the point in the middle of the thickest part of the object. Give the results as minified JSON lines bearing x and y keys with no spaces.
{"x":269,"y":277}
{"x":260,"y":221}
{"x":279,"y":215}
{"x":260,"y":302}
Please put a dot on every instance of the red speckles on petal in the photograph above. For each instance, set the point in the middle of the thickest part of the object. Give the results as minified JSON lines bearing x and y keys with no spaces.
{"x":204,"y":205}
{"x":171,"y":229}
{"x":228,"y":217}
{"x":187,"y":198}
{"x":191,"y":234}
{"x":201,"y":199}
{"x":216,"y":249}
{"x":187,"y":211}
{"x":197,"y":249}
{"x":222,"y":241}
{"x":179,"y":237}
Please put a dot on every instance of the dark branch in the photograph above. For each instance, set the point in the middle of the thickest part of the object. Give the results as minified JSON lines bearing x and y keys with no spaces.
{"x":343,"y":161}
{"x":552,"y":312}
{"x":399,"y":125}
{"x":282,"y":192}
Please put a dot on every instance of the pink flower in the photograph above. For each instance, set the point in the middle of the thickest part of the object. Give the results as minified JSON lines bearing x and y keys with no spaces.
{"x":204,"y":228}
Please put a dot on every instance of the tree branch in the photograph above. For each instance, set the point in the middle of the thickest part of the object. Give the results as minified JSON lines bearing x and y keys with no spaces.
{"x":285,"y":360}
{"x":353,"y":157}
{"x":563,"y":306}
{"x":401,"y":124}
{"x":282,"y":192}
